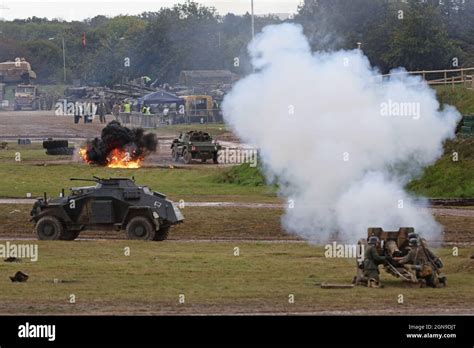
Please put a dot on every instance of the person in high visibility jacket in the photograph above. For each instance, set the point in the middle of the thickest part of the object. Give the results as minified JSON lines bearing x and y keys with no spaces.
{"x":127,"y":108}
{"x":146,"y":109}
{"x":146,"y":81}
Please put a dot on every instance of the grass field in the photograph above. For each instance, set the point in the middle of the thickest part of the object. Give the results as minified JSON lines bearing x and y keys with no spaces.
{"x":462,"y":98}
{"x":198,"y":184}
{"x":37,"y":173}
{"x":213,"y":280}
{"x":448,"y":178}
{"x":28,"y":153}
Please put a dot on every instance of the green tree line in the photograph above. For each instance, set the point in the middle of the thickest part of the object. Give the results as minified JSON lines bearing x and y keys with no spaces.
{"x":416,"y":34}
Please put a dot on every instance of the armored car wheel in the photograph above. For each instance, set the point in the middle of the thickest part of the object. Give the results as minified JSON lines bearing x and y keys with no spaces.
{"x":187,"y":157}
{"x":70,"y":235}
{"x":140,"y":228}
{"x":162,"y":233}
{"x":49,"y":228}
{"x":174,"y":154}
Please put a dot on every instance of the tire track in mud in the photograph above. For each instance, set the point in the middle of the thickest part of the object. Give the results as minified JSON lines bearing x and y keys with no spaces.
{"x":437,"y":211}
{"x":452,"y":211}
{"x":223,"y":241}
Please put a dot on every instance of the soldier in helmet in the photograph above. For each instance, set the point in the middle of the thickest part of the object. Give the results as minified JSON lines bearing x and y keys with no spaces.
{"x":421,"y":262}
{"x":372,"y":261}
{"x":421,"y":241}
{"x":405,"y":246}
{"x":432,"y":258}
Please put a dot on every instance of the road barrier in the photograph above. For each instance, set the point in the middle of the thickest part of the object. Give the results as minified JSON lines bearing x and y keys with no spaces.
{"x":137,"y":119}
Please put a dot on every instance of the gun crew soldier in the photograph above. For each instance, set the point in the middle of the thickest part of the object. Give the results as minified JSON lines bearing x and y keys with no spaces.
{"x":372,"y":260}
{"x":422,"y":263}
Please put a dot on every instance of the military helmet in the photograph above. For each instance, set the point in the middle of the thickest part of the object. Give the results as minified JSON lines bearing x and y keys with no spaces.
{"x":412,"y":235}
{"x":373,"y":240}
{"x":413,"y":242}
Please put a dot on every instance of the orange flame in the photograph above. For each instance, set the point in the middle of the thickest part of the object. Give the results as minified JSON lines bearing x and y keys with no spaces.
{"x":117,"y":158}
{"x":83,"y":153}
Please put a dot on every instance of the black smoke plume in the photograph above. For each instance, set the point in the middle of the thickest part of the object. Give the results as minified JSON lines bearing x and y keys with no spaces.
{"x":115,"y":136}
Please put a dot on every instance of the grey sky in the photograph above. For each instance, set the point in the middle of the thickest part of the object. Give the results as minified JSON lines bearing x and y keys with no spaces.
{"x":77,"y":10}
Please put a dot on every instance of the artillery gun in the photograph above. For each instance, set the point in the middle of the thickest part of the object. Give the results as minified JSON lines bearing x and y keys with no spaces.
{"x":393,"y":244}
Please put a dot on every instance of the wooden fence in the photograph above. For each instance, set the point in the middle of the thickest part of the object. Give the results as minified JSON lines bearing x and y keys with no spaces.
{"x":446,"y":77}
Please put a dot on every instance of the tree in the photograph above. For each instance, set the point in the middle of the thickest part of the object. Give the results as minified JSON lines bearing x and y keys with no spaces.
{"x":46,"y":57}
{"x":421,"y":41}
{"x":11,"y":49}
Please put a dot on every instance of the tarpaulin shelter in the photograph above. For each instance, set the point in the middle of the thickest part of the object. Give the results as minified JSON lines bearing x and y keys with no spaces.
{"x":160,"y":97}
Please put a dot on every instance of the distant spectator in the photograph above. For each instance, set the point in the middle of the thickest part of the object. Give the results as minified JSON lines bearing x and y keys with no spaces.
{"x":77,"y":112}
{"x":102,"y":111}
{"x":127,"y":108}
{"x":146,"y":109}
{"x":116,"y":110}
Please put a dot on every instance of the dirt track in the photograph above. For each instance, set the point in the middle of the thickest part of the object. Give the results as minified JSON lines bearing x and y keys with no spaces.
{"x":44,"y":124}
{"x":40,"y":125}
{"x":435,"y":211}
{"x":229,"y":222}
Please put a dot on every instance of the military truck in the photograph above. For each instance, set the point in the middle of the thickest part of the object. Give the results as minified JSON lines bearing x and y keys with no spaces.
{"x":111,"y":204}
{"x":26,"y":96}
{"x":195,"y":145}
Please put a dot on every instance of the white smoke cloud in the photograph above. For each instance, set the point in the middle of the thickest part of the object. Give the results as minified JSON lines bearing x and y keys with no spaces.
{"x":340,"y":142}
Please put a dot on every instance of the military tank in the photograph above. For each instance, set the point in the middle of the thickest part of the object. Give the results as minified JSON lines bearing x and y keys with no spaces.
{"x":111,"y":204}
